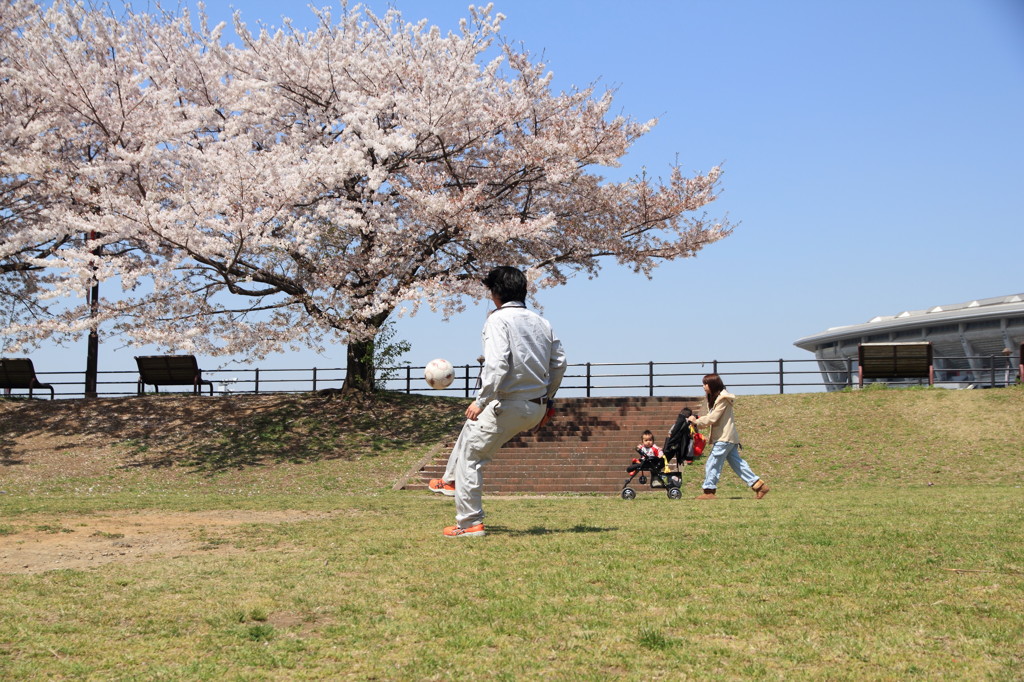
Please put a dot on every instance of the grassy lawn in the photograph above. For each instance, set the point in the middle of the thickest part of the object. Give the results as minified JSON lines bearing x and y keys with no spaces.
{"x":854,"y":567}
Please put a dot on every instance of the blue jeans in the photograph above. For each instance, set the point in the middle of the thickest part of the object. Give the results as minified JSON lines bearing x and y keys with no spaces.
{"x":722,"y":452}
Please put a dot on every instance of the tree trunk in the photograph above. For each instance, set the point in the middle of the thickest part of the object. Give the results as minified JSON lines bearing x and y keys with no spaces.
{"x":360,"y":374}
{"x":92,"y":353}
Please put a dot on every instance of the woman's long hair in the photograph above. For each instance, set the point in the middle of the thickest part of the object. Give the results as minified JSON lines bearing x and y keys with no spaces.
{"x":715,"y":386}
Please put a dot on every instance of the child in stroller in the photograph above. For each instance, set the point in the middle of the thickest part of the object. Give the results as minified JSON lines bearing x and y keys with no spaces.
{"x":651,"y":459}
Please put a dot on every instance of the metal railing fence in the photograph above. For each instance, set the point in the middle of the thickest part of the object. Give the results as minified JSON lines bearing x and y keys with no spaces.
{"x":581,"y":380}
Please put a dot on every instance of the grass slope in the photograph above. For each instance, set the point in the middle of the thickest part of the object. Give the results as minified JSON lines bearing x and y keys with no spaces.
{"x":887,"y":437}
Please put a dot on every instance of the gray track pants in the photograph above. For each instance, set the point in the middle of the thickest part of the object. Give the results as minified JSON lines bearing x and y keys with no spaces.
{"x":477,"y":443}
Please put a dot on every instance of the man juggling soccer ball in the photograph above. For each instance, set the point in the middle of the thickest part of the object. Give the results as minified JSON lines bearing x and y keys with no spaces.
{"x":523,"y":367}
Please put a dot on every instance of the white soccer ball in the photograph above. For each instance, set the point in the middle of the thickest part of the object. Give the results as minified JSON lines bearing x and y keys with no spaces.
{"x":439,"y":373}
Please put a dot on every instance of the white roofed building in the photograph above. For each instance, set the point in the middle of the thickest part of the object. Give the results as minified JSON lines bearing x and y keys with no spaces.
{"x":974,"y":344}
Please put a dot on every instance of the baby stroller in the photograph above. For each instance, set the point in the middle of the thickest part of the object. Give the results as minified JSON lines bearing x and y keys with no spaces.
{"x":671,"y":481}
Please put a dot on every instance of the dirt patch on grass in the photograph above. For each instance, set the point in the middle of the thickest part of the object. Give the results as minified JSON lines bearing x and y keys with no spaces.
{"x":38,"y":543}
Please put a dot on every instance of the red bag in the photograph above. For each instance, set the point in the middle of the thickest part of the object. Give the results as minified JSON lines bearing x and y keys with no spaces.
{"x":698,"y":444}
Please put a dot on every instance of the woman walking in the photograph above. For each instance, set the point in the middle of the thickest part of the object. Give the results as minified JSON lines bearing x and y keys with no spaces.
{"x":724,"y":439}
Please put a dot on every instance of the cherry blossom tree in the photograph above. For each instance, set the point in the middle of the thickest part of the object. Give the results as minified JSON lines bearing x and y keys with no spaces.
{"x":295,"y":188}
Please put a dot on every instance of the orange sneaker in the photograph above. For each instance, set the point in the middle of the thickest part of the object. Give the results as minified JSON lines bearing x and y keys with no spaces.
{"x":455,"y":531}
{"x":438,"y":485}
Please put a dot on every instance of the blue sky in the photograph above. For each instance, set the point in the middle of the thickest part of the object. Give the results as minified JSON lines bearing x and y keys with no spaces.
{"x":873,"y":154}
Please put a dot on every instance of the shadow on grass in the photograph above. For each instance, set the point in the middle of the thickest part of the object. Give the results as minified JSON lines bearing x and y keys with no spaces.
{"x":7,"y":457}
{"x":308,"y":428}
{"x":7,"y":444}
{"x":540,"y":530}
{"x":209,"y":435}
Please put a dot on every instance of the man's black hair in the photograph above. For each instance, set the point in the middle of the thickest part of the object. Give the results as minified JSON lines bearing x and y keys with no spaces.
{"x":507,"y":283}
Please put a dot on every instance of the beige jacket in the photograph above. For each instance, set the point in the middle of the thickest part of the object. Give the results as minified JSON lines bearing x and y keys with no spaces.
{"x":720,"y":419}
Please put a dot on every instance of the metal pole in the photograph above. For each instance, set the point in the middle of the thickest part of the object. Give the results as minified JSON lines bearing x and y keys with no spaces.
{"x":650,"y":377}
{"x":479,"y":376}
{"x":781,"y":378}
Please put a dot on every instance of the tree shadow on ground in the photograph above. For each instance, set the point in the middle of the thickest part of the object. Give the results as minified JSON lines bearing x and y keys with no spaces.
{"x":208,"y":435}
{"x":313,"y":428}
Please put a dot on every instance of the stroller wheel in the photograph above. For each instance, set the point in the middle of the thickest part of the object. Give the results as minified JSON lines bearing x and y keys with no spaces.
{"x":674,"y":493}
{"x":628,"y":493}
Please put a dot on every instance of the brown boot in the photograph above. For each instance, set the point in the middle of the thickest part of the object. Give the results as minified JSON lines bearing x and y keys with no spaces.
{"x":709,"y":494}
{"x":760,"y":489}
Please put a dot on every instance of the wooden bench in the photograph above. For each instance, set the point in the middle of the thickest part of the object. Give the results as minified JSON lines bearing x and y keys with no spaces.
{"x":911,"y":360}
{"x":19,"y":373}
{"x":170,"y":370}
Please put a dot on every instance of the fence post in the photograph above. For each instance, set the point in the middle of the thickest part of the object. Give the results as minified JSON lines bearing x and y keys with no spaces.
{"x":650,"y":378}
{"x":408,"y":379}
{"x":849,"y":372}
{"x":714,"y":366}
{"x":781,"y":380}
{"x":588,"y":379}
{"x":256,"y":386}
{"x":314,"y":380}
